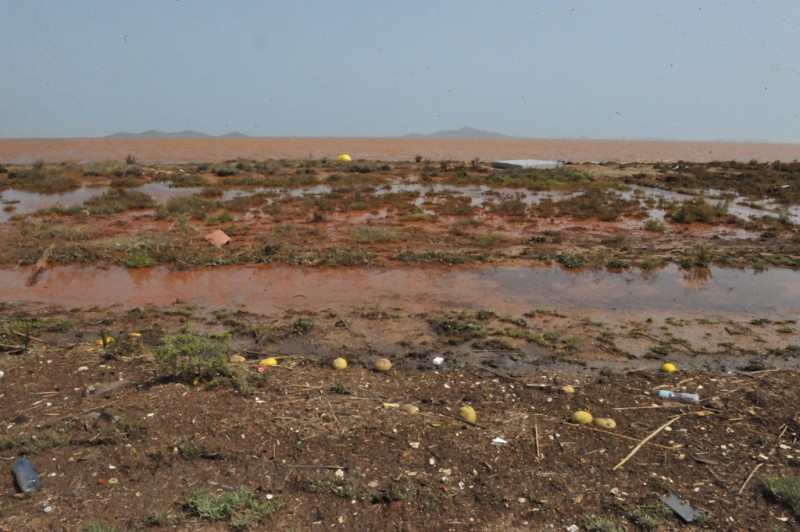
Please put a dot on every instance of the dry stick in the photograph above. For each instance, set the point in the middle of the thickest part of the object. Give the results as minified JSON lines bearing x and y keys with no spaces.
{"x":314,"y":466}
{"x":536,"y":433}
{"x":753,"y":472}
{"x":667,"y":447}
{"x":641,"y":443}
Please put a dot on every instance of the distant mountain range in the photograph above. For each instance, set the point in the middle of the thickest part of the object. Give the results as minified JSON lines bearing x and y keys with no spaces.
{"x":154,"y":134}
{"x":462,"y":133}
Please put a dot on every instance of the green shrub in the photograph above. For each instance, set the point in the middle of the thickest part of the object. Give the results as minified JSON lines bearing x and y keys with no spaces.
{"x":195,"y":358}
{"x":655,"y":226}
{"x":241,"y":508}
{"x":117,"y":200}
{"x":785,"y":490}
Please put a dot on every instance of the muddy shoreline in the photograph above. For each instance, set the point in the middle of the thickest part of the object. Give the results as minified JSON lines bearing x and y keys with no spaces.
{"x":27,"y":151}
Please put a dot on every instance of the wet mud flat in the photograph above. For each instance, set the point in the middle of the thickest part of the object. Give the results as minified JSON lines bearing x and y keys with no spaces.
{"x":132,"y":349}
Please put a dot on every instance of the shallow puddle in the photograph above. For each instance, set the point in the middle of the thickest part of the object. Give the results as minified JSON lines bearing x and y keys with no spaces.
{"x":268,"y":289}
{"x":24,"y":202}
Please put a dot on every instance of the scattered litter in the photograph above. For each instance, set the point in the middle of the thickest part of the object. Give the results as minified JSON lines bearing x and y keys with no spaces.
{"x":2,"y":373}
{"x":83,"y":368}
{"x":25,"y":477}
{"x":499,"y":441}
{"x":48,"y":509}
{"x":683,"y":397}
{"x":218,"y":238}
{"x":414,"y":444}
{"x":682,"y":509}
{"x":438,"y":361}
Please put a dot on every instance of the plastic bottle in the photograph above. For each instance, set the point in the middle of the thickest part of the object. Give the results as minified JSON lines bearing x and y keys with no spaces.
{"x":25,"y":477}
{"x":683,"y":397}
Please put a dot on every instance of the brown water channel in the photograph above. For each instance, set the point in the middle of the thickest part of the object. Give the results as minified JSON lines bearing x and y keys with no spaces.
{"x":268,"y":289}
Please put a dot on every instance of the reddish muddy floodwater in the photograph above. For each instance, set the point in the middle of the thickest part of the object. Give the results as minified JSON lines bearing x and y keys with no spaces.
{"x":174,"y":150}
{"x":268,"y":289}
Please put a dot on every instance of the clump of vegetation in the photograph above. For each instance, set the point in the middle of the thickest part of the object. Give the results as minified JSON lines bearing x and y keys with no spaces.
{"x":654,"y":226}
{"x":195,"y":206}
{"x":41,"y":178}
{"x":192,"y":357}
{"x":785,"y":490}
{"x":596,"y":203}
{"x":116,"y":200}
{"x":139,"y":258}
{"x":571,"y":260}
{"x":597,"y":523}
{"x":697,"y":210}
{"x":329,"y":483}
{"x":240,"y":508}
{"x":649,"y":517}
{"x":457,"y":328}
{"x":30,"y":444}
{"x":370,"y":234}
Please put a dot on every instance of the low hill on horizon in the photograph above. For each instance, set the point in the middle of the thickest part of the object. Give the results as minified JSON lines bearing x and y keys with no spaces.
{"x":186,"y":134}
{"x":465,"y":132}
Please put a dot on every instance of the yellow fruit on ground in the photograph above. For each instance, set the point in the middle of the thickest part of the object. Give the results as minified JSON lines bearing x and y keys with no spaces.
{"x":567,"y":389}
{"x":668,"y":367}
{"x":467,"y":413}
{"x":581,"y":417}
{"x":269,"y":361}
{"x":344,"y":157}
{"x":605,"y":423}
{"x":383,"y":365}
{"x":339,"y":363}
{"x":108,"y":340}
{"x":409,"y":409}
{"x":237,"y":359}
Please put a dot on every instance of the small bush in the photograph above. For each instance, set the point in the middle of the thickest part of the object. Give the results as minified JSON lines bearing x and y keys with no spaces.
{"x":369,"y":234}
{"x":48,"y":180}
{"x":117,"y":200}
{"x":192,"y":357}
{"x":138,"y":258}
{"x":241,"y":508}
{"x":785,"y":490}
{"x":655,"y":226}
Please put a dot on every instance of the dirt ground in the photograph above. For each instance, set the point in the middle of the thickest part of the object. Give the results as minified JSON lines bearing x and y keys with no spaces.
{"x":173,"y":422}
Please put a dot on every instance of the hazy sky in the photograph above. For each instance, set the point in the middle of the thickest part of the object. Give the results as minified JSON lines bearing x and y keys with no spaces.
{"x":674,"y":69}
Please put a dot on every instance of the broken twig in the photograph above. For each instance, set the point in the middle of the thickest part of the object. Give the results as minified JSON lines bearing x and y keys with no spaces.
{"x":641,"y":443}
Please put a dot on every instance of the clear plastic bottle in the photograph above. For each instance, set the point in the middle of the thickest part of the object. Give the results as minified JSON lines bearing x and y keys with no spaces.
{"x":683,"y":397}
{"x":25,"y":476}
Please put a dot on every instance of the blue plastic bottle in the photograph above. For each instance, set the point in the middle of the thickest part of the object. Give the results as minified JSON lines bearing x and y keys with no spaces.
{"x":25,"y":476}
